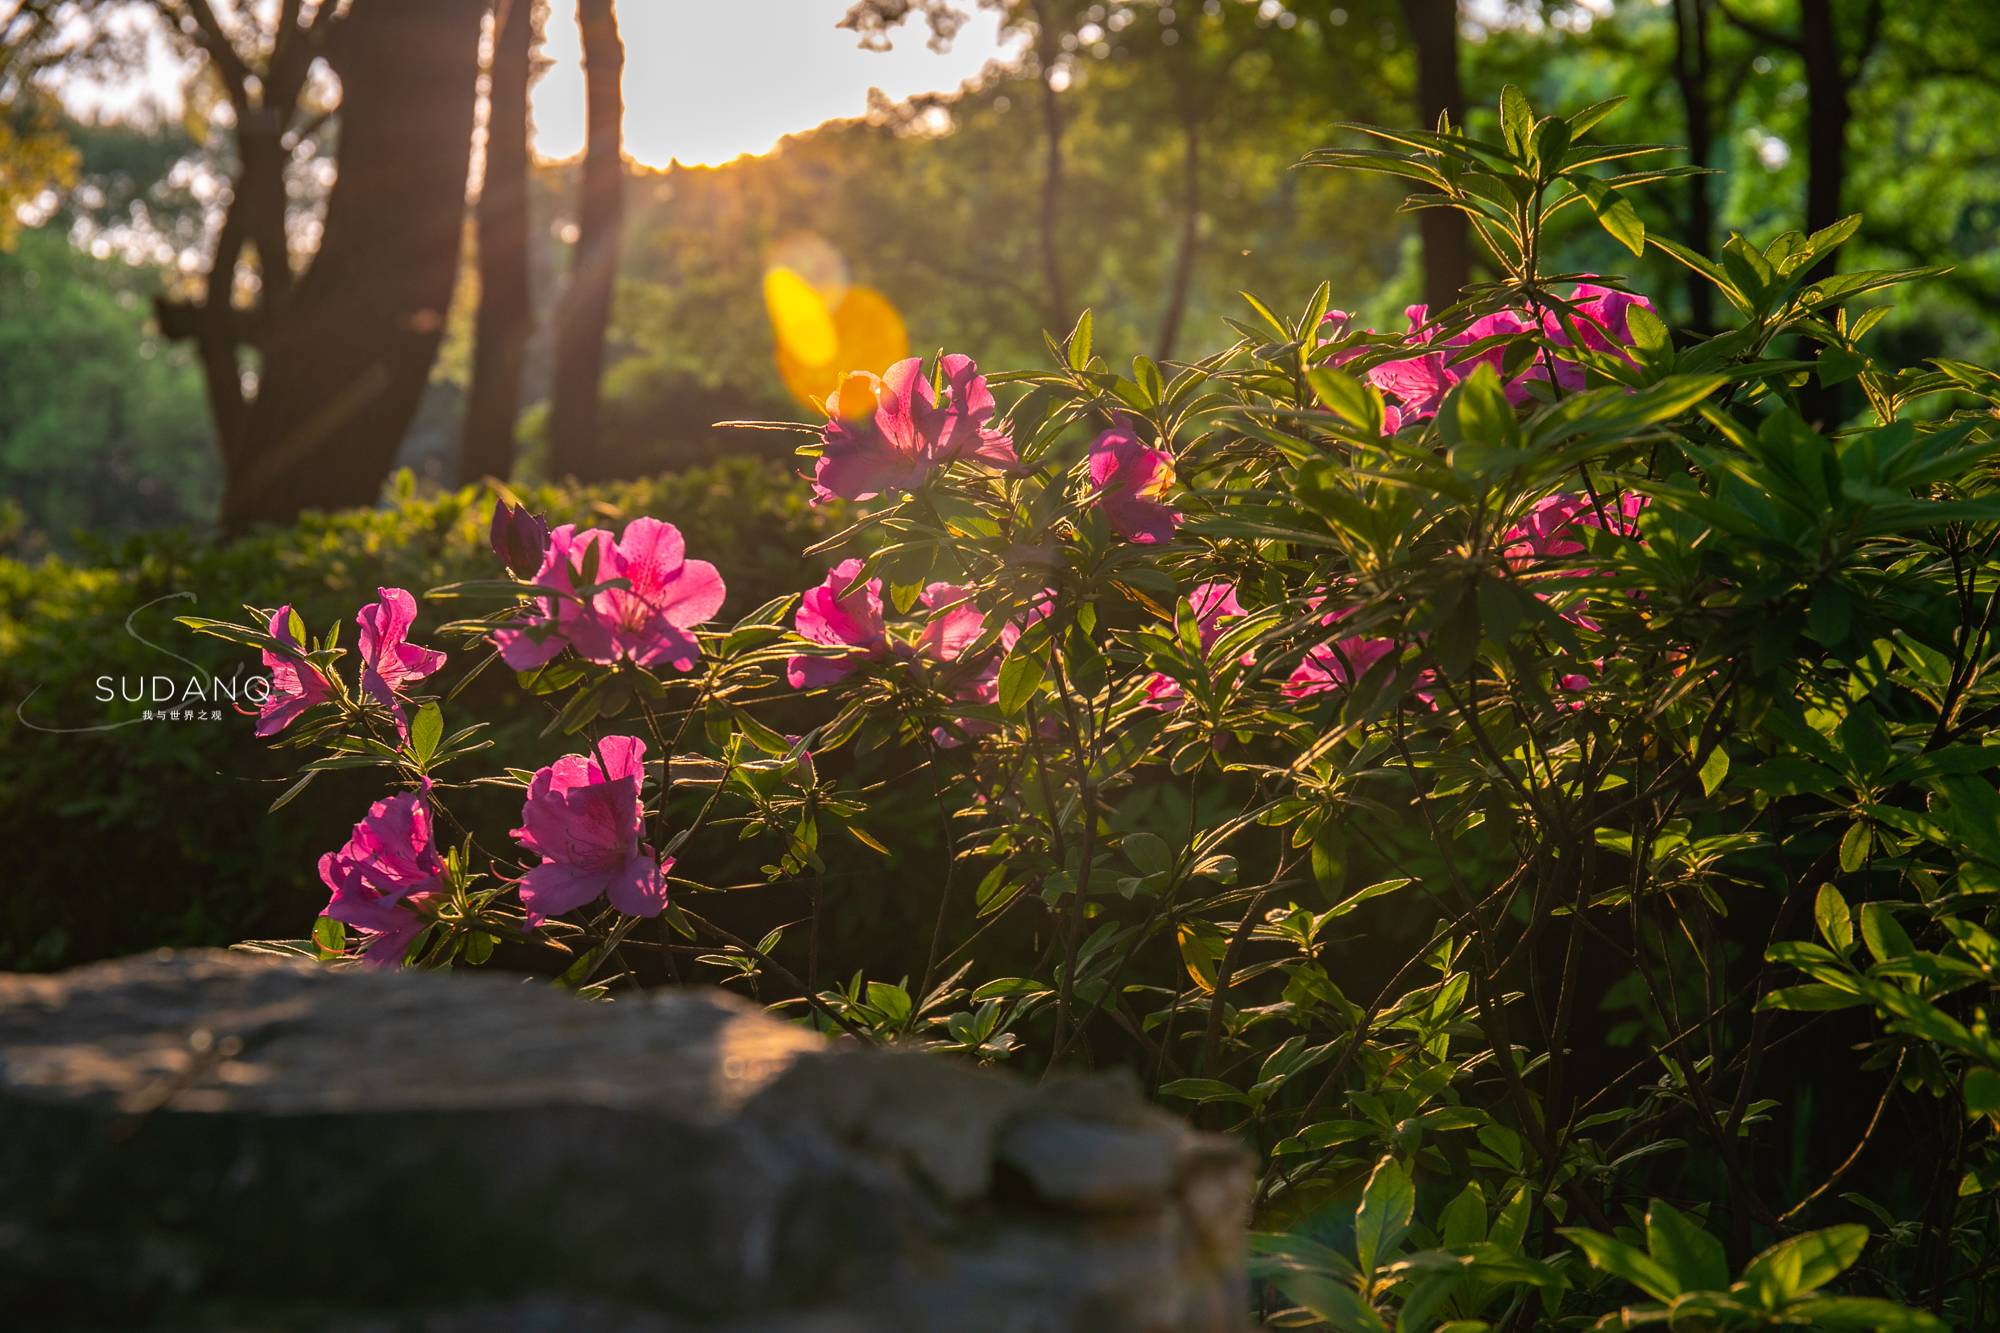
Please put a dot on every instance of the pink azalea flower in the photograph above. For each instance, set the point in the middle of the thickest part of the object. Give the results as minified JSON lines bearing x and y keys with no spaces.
{"x":893,"y":433}
{"x":954,"y":626}
{"x":388,"y":868}
{"x":583,"y":817}
{"x":1572,"y":683}
{"x":295,"y":684}
{"x":646,"y":623}
{"x":1338,"y":324}
{"x":839,"y":613}
{"x":1131,"y":478}
{"x":668,"y":596}
{"x":1335,"y":666}
{"x":1335,"y":325}
{"x":1212,"y":604}
{"x":537,"y":637}
{"x":1421,"y":382}
{"x":1601,"y":316}
{"x":947,"y":637}
{"x":1551,"y":529}
{"x":390,"y":663}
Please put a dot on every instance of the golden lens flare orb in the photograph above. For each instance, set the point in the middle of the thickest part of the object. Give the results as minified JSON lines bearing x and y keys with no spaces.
{"x":824,"y":327}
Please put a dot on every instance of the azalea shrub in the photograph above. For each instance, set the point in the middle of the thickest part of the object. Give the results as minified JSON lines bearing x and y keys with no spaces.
{"x":1518,"y":772}
{"x":73,"y":804}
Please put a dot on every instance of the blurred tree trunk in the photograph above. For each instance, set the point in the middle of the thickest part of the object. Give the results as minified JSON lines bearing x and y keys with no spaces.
{"x":347,"y":356}
{"x":264,"y":102}
{"x":586,"y":304}
{"x":1048,"y":50}
{"x":1831,"y":71}
{"x":1830,"y":78}
{"x":1433,"y":28}
{"x":1170,"y":325}
{"x":493,"y":403}
{"x":1693,"y":75}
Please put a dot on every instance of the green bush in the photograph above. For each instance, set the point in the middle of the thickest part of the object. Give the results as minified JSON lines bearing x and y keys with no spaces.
{"x":75,"y":805}
{"x":1529,"y":775}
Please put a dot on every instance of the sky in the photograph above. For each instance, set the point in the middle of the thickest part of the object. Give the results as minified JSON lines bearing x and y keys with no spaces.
{"x":709,"y":80}
{"x":705,"y":80}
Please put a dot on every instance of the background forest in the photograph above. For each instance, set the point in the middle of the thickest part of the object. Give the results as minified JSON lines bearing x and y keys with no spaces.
{"x":1168,"y":185}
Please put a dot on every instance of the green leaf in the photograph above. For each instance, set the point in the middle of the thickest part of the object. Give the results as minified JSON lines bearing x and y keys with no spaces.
{"x":1078,"y":351}
{"x":1020,"y":676}
{"x":329,"y":936}
{"x":892,"y":1001}
{"x":1649,"y":332}
{"x":1621,"y":1260}
{"x":1854,"y":846}
{"x":1831,"y":614}
{"x":1864,"y":1314}
{"x":1617,"y":216}
{"x":1464,"y":1220}
{"x":1834,"y":918}
{"x":1837,"y":365}
{"x":1517,"y":119}
{"x":1714,"y":769}
{"x":1982,"y":1092}
{"x":1338,"y":1306}
{"x":1358,"y":404}
{"x":1476,"y":412}
{"x":1883,"y":934}
{"x":1802,"y":1264}
{"x":1383,"y":1216}
{"x":1694,"y":1257}
{"x":1814,"y":997}
{"x":1360,"y":896}
{"x":426,"y":729}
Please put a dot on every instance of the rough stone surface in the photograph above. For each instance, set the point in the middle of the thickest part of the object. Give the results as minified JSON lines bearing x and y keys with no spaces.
{"x":210,"y":1141}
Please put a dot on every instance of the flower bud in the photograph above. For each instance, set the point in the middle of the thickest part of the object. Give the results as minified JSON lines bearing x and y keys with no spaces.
{"x":519,"y":538}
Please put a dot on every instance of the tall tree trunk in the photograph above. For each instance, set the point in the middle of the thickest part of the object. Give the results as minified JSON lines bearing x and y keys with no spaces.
{"x":1052,"y":174}
{"x":265,"y":103}
{"x":1433,"y":28}
{"x":493,"y":403}
{"x":1828,"y":110}
{"x":586,"y":306}
{"x":1170,"y":325}
{"x":345,"y":361}
{"x":1692,"y":73}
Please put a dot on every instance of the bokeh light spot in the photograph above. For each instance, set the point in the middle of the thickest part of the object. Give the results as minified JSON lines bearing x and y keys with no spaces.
{"x":824,"y":327}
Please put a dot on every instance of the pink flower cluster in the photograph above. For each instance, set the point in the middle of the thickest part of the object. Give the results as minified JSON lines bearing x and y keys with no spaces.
{"x":1132,"y":480}
{"x":1328,"y":667}
{"x":1552,"y":532}
{"x":895,"y":432}
{"x":388,"y":869}
{"x":839,"y":613}
{"x":846,"y":612}
{"x":1416,"y":385}
{"x":390,"y":663}
{"x":1551,"y":529}
{"x":1211,"y":604}
{"x":583,"y":817}
{"x":645,"y":622}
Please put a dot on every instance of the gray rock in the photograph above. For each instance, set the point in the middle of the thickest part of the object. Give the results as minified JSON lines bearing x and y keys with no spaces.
{"x":213,"y":1141}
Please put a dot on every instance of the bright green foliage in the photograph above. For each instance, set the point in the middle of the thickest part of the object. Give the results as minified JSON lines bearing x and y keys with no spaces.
{"x":103,"y":428}
{"x":1576,"y":695}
